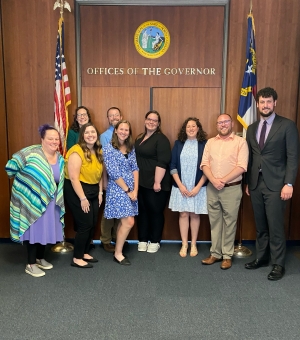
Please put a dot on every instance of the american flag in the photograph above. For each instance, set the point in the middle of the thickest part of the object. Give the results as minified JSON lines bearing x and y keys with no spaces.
{"x":62,"y":93}
{"x":247,"y":106}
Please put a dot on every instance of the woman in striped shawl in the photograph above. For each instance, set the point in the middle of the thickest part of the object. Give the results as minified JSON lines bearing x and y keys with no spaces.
{"x":37,"y":206}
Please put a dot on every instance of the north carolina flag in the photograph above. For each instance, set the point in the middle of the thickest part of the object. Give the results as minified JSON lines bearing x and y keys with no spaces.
{"x":247,"y":106}
{"x":62,"y":94}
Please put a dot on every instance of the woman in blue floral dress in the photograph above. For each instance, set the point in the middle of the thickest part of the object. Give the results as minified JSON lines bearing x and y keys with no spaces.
{"x":188,"y":195}
{"x":122,"y":187}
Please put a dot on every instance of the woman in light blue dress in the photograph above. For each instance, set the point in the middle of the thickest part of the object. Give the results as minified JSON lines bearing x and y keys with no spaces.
{"x":188,"y":195}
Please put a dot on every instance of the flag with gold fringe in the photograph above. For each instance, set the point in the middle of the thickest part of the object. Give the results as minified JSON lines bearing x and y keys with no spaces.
{"x":62,"y":93}
{"x":247,"y":105}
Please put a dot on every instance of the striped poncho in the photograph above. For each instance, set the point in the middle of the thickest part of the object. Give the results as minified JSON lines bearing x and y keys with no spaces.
{"x":33,"y":188}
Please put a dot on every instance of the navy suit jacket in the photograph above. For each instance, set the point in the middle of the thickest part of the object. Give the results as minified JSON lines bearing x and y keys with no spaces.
{"x":278,"y":159}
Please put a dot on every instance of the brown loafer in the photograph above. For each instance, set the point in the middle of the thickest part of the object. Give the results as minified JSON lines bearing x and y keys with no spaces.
{"x":226,"y":264}
{"x":210,"y":260}
{"x":110,"y":248}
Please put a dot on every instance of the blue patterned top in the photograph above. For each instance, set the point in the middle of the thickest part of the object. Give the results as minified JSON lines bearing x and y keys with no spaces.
{"x":118,"y":204}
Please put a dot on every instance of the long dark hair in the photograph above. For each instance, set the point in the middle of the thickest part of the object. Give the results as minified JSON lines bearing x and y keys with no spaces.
{"x":75,"y":126}
{"x":82,"y":143}
{"x":128,"y":142}
{"x":201,"y":135}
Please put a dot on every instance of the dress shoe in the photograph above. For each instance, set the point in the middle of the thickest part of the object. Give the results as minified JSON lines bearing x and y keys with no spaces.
{"x":92,"y":260}
{"x":256,"y":264}
{"x":210,"y":260}
{"x":226,"y":264}
{"x":110,"y":248}
{"x":124,"y":262}
{"x":73,"y":264}
{"x":276,"y":273}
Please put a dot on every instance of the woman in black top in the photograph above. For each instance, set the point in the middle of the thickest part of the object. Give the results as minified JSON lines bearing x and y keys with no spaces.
{"x":153,"y":154}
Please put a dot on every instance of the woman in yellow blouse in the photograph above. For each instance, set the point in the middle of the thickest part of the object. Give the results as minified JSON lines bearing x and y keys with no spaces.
{"x":83,"y":191}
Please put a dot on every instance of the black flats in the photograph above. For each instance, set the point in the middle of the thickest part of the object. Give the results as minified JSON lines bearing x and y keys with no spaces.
{"x":92,"y":260}
{"x":124,"y":262}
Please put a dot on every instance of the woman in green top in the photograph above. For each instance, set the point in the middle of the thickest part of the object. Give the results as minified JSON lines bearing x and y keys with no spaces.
{"x":81,"y":117}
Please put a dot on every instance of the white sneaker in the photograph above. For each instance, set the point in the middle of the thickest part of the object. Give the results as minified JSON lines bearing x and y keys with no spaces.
{"x":43,"y":264}
{"x":34,"y":270}
{"x":142,"y":246}
{"x":153,"y":247}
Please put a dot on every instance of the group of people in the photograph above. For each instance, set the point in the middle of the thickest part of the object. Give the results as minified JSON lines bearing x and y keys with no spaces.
{"x":135,"y":178}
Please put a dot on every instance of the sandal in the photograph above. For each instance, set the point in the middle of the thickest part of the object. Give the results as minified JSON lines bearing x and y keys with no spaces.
{"x":194,"y":250}
{"x":183,"y":250}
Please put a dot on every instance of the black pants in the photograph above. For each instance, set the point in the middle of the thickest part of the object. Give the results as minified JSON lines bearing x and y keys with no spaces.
{"x":85,"y":223}
{"x":151,"y":214}
{"x":269,"y":211}
{"x":35,"y":251}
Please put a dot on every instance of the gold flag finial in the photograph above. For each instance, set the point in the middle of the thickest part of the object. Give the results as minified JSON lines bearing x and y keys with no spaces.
{"x":62,"y":4}
{"x":250,"y":6}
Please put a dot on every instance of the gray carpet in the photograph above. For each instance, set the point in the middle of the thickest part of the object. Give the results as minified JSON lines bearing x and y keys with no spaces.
{"x":160,"y":296}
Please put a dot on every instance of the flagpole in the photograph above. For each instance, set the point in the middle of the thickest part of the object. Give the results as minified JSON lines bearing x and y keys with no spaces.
{"x":62,"y":247}
{"x":240,"y":250}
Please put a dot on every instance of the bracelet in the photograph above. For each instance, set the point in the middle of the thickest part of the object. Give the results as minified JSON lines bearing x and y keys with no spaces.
{"x":83,"y":199}
{"x":100,"y":192}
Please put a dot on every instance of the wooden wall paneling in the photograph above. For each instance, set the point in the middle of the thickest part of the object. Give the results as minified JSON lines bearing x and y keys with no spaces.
{"x":29,"y":41}
{"x":108,"y":35}
{"x":294,"y":230}
{"x":29,"y":38}
{"x":174,"y":106}
{"x":5,"y":191}
{"x":134,"y":104}
{"x":277,"y":37}
{"x":29,"y":31}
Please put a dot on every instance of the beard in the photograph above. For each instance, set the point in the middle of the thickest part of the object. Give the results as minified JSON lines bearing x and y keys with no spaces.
{"x":265,"y":115}
{"x":225,"y":133}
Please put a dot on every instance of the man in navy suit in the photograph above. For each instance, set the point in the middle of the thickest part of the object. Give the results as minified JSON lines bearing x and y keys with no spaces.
{"x":272,"y":170}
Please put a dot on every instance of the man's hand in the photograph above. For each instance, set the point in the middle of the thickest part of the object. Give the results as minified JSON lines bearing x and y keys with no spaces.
{"x":286,"y":193}
{"x":218,"y":183}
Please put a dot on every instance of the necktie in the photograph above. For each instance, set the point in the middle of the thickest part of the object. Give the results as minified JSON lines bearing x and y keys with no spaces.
{"x":262,"y":135}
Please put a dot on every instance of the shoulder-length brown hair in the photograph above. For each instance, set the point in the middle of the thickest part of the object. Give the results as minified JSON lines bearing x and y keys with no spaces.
{"x":128,"y":142}
{"x":158,"y":130}
{"x":82,"y":143}
{"x":201,"y":135}
{"x":75,"y":126}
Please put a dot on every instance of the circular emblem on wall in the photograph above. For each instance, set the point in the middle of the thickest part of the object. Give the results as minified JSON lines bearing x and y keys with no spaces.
{"x":152,"y":39}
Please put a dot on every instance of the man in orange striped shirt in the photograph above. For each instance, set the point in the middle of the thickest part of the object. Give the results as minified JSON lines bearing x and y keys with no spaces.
{"x":224,"y":160}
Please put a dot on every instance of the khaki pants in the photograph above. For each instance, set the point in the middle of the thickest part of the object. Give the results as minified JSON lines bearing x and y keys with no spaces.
{"x":223,"y":207}
{"x":108,"y":229}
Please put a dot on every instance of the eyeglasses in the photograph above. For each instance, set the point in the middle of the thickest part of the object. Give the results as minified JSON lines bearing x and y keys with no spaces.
{"x":224,"y":122}
{"x":81,"y":115}
{"x":152,"y":120}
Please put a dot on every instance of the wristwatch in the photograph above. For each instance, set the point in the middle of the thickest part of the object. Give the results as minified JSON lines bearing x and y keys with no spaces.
{"x":289,"y":184}
{"x":127,"y":191}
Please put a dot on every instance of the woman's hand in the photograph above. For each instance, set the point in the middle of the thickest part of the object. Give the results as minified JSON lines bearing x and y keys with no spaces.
{"x":157,"y":187}
{"x":184,"y":191}
{"x":194,"y":191}
{"x":100,"y":198}
{"x":85,"y":205}
{"x":132,"y":195}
